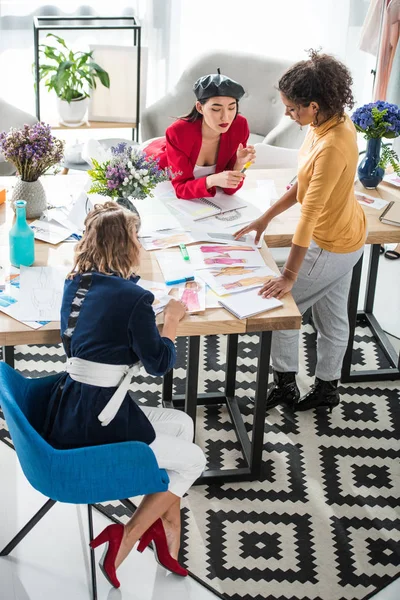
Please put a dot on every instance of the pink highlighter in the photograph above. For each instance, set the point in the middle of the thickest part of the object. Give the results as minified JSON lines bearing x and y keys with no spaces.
{"x":291,"y":182}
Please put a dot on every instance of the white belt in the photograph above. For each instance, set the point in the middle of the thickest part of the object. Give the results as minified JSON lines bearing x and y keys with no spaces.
{"x":104,"y":375}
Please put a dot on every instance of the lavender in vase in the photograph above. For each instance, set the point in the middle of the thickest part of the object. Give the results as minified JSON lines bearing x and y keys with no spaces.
{"x":32,"y":150}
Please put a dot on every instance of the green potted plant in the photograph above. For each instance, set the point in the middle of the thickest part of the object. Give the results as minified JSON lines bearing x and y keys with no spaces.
{"x":71,"y":75}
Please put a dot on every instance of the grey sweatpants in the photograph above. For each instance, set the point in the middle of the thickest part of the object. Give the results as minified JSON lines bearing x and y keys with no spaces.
{"x":323,"y":283}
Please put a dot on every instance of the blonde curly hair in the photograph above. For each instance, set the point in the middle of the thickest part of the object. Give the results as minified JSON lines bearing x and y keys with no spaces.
{"x":109,"y":244}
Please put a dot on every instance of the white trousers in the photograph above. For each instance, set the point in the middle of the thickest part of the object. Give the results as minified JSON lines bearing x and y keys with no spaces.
{"x":174,"y":449}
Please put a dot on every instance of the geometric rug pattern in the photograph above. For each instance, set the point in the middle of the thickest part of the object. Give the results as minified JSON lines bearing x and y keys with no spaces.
{"x":323,"y":521}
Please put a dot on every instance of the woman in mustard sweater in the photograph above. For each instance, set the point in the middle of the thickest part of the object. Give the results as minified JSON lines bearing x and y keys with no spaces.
{"x":330,"y":236}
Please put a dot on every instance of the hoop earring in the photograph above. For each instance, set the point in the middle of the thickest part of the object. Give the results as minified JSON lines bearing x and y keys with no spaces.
{"x":315,"y":122}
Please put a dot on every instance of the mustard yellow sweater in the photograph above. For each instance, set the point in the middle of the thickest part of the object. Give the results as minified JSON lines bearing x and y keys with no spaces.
{"x":330,"y":213}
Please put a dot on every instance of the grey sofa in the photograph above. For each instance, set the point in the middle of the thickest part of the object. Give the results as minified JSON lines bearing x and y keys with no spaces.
{"x":10,"y":116}
{"x":261,"y":104}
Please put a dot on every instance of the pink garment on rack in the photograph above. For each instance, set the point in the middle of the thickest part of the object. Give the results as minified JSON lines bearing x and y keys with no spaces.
{"x":387,"y":48}
{"x":369,"y":39}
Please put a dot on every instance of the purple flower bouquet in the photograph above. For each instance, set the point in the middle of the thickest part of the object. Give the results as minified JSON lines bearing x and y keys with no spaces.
{"x":31,"y":149}
{"x":128,"y":174}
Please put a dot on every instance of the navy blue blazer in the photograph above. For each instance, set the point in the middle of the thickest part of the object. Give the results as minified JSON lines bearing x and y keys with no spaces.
{"x":116,"y":325}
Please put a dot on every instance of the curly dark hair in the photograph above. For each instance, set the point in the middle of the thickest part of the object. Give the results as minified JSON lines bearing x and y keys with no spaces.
{"x":321,"y":79}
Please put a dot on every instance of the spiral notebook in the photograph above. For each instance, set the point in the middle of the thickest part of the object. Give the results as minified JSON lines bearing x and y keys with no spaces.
{"x":391,"y":214}
{"x":203,"y":208}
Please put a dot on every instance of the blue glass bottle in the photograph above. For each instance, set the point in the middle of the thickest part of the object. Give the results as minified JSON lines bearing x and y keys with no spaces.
{"x":21,"y":236}
{"x":369,"y":173}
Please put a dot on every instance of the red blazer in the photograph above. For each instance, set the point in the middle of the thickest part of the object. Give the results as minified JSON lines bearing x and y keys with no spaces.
{"x":181,"y":146}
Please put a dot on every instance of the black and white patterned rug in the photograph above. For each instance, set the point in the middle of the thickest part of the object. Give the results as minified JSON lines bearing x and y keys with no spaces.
{"x":323,"y":521}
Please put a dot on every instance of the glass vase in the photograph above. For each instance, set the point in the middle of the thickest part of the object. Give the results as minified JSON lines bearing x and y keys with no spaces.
{"x":368,"y":172}
{"x":21,"y":238}
{"x":126,"y":203}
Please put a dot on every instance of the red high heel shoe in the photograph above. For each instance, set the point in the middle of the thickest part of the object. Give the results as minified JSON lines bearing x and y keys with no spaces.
{"x":112,"y":536}
{"x":156,"y":535}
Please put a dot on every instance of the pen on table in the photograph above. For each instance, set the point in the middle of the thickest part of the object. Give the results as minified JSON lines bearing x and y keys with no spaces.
{"x":184,"y":252}
{"x":246,"y":166}
{"x":291,"y":182}
{"x":182,"y":280}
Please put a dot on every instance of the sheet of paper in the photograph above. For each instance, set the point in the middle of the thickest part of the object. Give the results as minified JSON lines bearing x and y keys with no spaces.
{"x":223,"y":237}
{"x":62,"y":190}
{"x":212,"y":299}
{"x":60,"y":216}
{"x":9,"y":298}
{"x":231,"y":280}
{"x":160,"y":240}
{"x":2,"y":277}
{"x":159,"y":291}
{"x":205,"y":256}
{"x":79,"y":209}
{"x":370,"y":201}
{"x":173,"y":266}
{"x":41,"y":293}
{"x":393,"y":179}
{"x":155,"y":216}
{"x":268,"y":186}
{"x":50,"y":232}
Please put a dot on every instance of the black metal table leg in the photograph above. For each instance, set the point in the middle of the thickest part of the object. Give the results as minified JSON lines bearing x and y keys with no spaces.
{"x":252,"y":449}
{"x":352,"y":315}
{"x":8,"y":355}
{"x":260,"y":404}
{"x":192,"y":377}
{"x":366,"y":317}
{"x":166,"y":394}
{"x":231,"y":360}
{"x":372,"y":277}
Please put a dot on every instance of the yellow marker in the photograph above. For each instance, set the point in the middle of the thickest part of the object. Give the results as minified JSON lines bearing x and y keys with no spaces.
{"x":246,"y":166}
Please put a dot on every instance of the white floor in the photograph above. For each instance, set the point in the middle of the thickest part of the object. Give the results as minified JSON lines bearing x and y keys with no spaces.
{"x":52,"y":561}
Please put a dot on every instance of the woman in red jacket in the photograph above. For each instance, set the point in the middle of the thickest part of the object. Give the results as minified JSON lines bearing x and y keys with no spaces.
{"x":207,"y":148}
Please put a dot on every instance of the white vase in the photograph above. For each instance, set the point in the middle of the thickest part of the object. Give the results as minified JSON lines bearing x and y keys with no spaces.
{"x":72,"y":113}
{"x":34,"y":195}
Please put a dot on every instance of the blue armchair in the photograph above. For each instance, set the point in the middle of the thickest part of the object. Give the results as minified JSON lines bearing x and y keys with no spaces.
{"x":80,"y":476}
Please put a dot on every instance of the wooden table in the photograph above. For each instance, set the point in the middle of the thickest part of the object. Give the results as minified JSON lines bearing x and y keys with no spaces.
{"x":212,"y":322}
{"x":279,"y":235}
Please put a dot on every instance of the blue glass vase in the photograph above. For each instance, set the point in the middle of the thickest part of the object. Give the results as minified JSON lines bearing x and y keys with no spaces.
{"x":21,"y":236}
{"x":368,"y":172}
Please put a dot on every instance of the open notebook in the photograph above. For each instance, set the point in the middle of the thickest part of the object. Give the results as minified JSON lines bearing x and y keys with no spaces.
{"x":202,"y":208}
{"x":248,"y":304}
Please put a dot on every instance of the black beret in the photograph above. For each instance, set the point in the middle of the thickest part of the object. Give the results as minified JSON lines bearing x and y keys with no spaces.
{"x":217,"y":85}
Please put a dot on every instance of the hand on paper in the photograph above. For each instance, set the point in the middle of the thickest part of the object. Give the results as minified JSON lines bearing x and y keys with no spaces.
{"x":175,"y":309}
{"x":226,"y":179}
{"x":259,"y":226}
{"x":276,"y":288}
{"x":244,"y":155}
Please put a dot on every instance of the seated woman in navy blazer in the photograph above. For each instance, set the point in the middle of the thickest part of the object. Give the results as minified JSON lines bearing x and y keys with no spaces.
{"x":107,"y":327}
{"x":207,"y":148}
